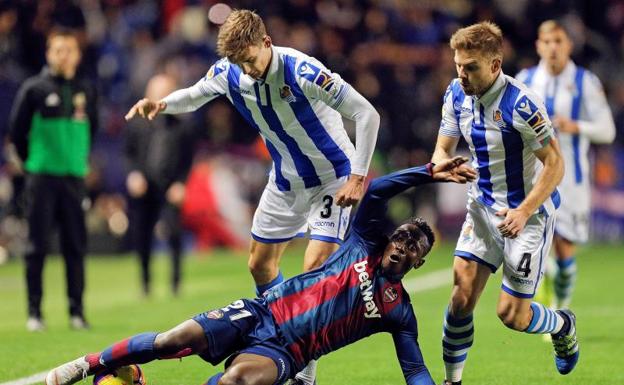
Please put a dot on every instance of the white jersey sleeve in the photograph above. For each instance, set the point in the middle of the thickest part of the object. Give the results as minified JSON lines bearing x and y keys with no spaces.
{"x":598,"y":124}
{"x":319,"y":83}
{"x":211,"y":86}
{"x":322,"y":84}
{"x":449,"y":125}
{"x":531,"y":120}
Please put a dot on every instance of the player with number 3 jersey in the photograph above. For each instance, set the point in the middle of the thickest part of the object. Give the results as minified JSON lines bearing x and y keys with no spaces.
{"x":357,"y":292}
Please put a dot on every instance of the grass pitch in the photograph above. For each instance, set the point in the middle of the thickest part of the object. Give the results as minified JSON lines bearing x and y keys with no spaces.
{"x":116,"y":310}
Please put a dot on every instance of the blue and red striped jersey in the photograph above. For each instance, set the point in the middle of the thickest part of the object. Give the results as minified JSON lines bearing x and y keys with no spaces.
{"x":348,"y":298}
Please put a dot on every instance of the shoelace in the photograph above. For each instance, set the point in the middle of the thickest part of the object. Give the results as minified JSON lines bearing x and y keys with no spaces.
{"x":564,"y":344}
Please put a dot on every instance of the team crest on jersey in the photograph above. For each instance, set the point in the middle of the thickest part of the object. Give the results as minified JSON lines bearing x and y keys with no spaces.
{"x":390,"y":295}
{"x":287,"y":95}
{"x":215,"y":314}
{"x":498,"y":119}
{"x":80,"y":106}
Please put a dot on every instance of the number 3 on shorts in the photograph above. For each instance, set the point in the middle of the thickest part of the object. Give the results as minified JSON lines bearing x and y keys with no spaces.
{"x":327,"y":209}
{"x":525,"y":264}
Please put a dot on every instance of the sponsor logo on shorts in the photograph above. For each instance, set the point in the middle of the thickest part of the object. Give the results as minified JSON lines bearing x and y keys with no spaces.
{"x":390,"y":295}
{"x":215,"y":314}
{"x":522,"y":281}
{"x":282,"y":369}
{"x":324,"y":224}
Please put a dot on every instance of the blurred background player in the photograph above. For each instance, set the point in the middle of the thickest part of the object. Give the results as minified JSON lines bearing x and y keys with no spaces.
{"x":297,"y":105}
{"x":159,"y":154}
{"x":511,"y":206}
{"x":53,"y":121}
{"x":356,"y":293}
{"x":580,"y":113}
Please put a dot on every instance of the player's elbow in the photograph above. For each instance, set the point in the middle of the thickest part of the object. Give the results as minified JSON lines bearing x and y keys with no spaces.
{"x":554,"y":162}
{"x":608,"y":135}
{"x":375,"y":118}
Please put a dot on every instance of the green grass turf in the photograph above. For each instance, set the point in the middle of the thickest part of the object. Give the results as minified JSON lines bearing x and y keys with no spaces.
{"x":116,"y":310}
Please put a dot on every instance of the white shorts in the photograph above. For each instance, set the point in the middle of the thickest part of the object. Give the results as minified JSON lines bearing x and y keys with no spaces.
{"x":283,"y":215}
{"x":523,"y":258}
{"x":573,"y":226}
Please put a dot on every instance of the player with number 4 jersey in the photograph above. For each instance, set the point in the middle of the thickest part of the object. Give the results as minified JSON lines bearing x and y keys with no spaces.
{"x":512,"y":204}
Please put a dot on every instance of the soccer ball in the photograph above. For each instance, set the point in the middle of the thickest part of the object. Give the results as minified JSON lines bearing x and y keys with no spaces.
{"x":126,"y":375}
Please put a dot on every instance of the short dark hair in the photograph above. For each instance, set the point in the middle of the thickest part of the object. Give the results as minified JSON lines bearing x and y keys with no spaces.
{"x":423,"y":226}
{"x":551,"y":26}
{"x":62,"y":32}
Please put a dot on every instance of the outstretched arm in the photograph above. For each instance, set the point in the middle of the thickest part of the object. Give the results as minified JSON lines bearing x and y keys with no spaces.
{"x":409,"y":354}
{"x":184,"y":100}
{"x":371,"y":213}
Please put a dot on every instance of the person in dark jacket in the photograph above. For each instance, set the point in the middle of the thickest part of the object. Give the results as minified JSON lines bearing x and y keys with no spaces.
{"x":159,"y":155}
{"x":53,"y":121}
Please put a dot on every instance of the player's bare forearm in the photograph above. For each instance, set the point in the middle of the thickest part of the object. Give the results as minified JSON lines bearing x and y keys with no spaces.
{"x":548,"y":179}
{"x":445,"y":148}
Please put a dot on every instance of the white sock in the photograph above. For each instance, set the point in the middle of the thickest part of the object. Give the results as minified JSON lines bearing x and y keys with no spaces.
{"x":308,"y":374}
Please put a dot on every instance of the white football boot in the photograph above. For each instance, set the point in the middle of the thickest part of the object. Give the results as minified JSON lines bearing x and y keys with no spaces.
{"x":68,"y":373}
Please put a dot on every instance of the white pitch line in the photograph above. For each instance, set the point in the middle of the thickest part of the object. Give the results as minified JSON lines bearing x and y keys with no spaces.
{"x":426,"y":282}
{"x":35,"y":378}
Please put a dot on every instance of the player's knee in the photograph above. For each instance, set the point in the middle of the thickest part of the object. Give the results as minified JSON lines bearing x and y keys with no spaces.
{"x":313,"y":263}
{"x":233,"y":376}
{"x":462,"y":303}
{"x":170,"y":342}
{"x":258,"y":267}
{"x":511,"y":317}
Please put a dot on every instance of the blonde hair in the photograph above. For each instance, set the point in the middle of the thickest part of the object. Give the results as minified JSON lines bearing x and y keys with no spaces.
{"x":485,"y":37}
{"x":551,"y":26}
{"x":241,"y":29}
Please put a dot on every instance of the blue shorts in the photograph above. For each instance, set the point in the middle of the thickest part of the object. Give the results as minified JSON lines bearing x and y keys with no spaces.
{"x":244,"y":326}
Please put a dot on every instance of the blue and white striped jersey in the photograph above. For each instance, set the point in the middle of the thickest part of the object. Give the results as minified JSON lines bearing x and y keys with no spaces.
{"x":503,"y":127}
{"x":297,"y":110}
{"x":576,"y":93}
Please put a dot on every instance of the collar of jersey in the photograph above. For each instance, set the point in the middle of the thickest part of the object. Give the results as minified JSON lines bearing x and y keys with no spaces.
{"x":569,"y":68}
{"x":490,"y":95}
{"x":273,"y":67}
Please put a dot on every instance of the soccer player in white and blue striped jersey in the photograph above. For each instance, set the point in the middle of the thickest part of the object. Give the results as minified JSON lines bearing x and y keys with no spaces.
{"x":579,"y":110}
{"x":297,"y":105}
{"x":512,"y":204}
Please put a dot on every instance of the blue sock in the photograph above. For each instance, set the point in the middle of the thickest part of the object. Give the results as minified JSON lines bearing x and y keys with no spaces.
{"x":458,"y":334}
{"x":214,"y":380}
{"x":544,"y":320}
{"x":260,"y":289}
{"x":564,"y":281}
{"x":134,"y":350}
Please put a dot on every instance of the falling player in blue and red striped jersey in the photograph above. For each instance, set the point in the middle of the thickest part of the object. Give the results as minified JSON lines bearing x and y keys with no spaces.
{"x":355,"y":293}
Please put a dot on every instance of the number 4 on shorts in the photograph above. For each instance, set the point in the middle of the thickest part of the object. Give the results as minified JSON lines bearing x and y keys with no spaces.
{"x":525,"y":264}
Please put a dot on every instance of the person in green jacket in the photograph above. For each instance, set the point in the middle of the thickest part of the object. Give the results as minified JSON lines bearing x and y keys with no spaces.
{"x":52,"y":124}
